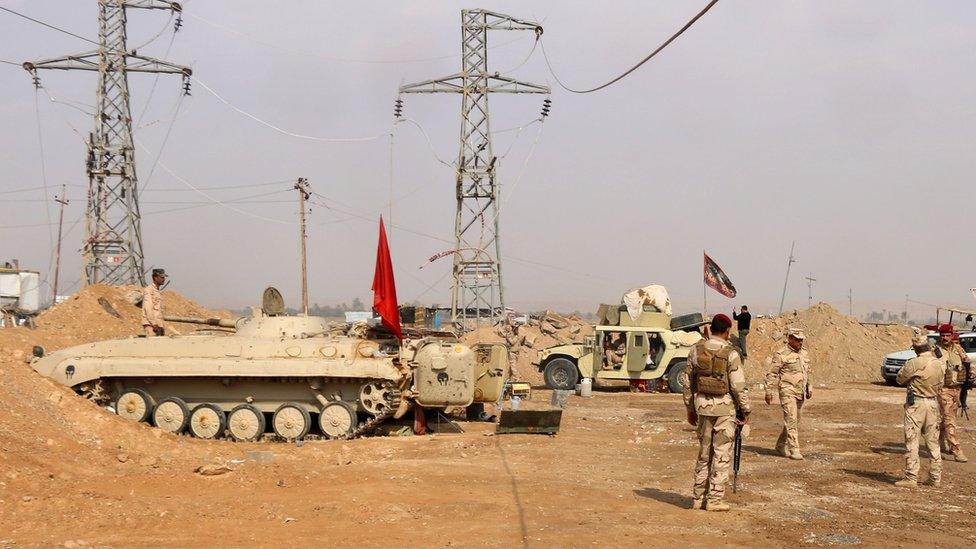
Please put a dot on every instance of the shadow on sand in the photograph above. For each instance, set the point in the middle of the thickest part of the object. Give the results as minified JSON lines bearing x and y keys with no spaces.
{"x":671,"y":498}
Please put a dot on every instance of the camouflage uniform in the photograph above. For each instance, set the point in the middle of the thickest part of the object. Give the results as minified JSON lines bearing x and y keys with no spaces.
{"x":790,"y":371}
{"x":924,"y":376}
{"x":716,"y":425}
{"x":152,"y":310}
{"x":614,"y":354}
{"x":953,"y":357}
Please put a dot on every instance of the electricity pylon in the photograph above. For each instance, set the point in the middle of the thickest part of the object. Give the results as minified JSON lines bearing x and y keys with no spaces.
{"x":112,"y":250}
{"x":477,"y":292}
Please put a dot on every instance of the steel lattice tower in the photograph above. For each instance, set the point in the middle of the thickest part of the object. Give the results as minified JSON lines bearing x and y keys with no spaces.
{"x":112,"y":248}
{"x":477,"y":285}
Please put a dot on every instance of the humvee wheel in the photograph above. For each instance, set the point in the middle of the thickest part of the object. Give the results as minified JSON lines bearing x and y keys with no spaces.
{"x":245,"y":423}
{"x":291,"y":421}
{"x":675,"y":377}
{"x":171,"y":415}
{"x":207,"y":421}
{"x":135,"y":405}
{"x":337,"y":419}
{"x":561,"y":373}
{"x":373,"y":397}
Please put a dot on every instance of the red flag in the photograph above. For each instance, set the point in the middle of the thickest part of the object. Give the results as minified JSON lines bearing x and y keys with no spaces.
{"x":716,"y":278}
{"x":384,"y":287}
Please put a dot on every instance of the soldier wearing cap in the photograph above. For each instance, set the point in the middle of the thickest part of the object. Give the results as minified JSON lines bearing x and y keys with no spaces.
{"x":789,"y":371}
{"x":956,"y":362}
{"x":152,"y":305}
{"x":716,"y":400}
{"x":924,"y":376}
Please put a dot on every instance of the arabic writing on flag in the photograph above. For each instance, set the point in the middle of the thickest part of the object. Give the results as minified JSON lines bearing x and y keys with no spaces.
{"x":716,"y":278}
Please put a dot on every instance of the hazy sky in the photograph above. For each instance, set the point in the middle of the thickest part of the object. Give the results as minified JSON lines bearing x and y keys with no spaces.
{"x":847,"y":126}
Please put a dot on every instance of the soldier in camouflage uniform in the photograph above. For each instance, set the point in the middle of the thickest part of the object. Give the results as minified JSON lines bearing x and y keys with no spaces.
{"x":955,"y":361}
{"x":924,"y":376}
{"x":716,"y":400}
{"x":789,"y":370}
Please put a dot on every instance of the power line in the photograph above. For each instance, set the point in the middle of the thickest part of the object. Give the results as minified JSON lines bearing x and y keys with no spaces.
{"x":10,"y":63}
{"x":294,"y":51}
{"x":638,"y":65}
{"x":48,"y":25}
{"x":282,"y":130}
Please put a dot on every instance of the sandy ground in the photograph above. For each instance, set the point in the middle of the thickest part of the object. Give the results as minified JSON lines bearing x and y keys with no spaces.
{"x":618,"y":474}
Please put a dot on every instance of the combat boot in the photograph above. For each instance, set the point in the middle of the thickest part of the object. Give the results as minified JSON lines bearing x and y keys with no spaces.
{"x":781,"y":450}
{"x":960,"y":457}
{"x":717,"y":506}
{"x":795,"y":454}
{"x":906,"y":483}
{"x":935,"y":483}
{"x":698,"y":503}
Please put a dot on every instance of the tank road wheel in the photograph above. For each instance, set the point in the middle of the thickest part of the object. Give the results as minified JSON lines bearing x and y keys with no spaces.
{"x":171,"y":415}
{"x":245,"y":423}
{"x":375,"y":398}
{"x":561,"y":373}
{"x":291,"y":421}
{"x":338,"y":419}
{"x":207,"y":421}
{"x":135,"y":405}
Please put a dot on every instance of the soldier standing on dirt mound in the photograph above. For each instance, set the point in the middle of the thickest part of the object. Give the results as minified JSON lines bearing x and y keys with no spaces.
{"x":152,"y":305}
{"x":924,"y":376}
{"x":789,"y":369}
{"x":955,"y":360}
{"x":716,"y":399}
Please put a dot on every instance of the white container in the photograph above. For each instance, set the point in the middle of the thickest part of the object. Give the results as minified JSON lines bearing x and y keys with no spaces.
{"x":586,"y":387}
{"x":30,"y":292}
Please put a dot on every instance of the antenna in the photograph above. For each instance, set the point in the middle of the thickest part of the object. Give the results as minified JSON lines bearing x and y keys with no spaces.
{"x":789,"y":264}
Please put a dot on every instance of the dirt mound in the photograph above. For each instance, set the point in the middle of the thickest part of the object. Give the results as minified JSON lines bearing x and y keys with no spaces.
{"x":526,"y":340}
{"x":46,"y":432}
{"x":840,"y":347}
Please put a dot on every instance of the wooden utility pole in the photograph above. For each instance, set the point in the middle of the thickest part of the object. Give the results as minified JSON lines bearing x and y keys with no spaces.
{"x":810,"y":281}
{"x":302,"y":188}
{"x":57,"y":253}
{"x":789,"y":264}
{"x":850,"y":301}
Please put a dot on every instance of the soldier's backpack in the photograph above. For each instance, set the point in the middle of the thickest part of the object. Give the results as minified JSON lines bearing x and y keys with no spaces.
{"x":710,"y":376}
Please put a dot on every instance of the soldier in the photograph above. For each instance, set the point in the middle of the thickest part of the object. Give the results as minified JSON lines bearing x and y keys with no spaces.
{"x":956,"y":362}
{"x":789,"y":369}
{"x":924,"y":376}
{"x":743,"y":320}
{"x":152,"y":305}
{"x":716,"y":400}
{"x":614,"y":351}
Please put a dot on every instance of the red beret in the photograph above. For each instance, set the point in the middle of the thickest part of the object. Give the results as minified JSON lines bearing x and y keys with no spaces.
{"x":721,"y":316}
{"x":945,"y":328}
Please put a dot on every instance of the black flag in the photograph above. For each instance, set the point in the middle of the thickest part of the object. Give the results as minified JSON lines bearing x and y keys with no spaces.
{"x":716,"y":278}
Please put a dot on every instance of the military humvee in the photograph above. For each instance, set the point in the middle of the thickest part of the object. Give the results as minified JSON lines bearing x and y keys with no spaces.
{"x":657,"y":346}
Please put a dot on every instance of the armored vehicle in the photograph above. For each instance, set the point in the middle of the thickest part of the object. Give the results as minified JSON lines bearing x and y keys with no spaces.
{"x":652,"y":347}
{"x":290,"y":375}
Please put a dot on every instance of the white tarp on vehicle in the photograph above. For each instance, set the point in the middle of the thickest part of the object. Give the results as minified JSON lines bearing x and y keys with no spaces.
{"x":655,"y":295}
{"x":685,"y":339}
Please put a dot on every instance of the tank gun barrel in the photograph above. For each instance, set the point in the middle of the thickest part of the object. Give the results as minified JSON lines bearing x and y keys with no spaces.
{"x":222,"y":322}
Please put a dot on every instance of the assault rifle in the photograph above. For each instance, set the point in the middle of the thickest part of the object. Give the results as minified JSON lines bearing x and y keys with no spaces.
{"x":737,"y":451}
{"x":964,"y":392}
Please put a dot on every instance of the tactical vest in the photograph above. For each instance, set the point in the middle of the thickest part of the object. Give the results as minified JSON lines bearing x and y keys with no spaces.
{"x":710,"y":374}
{"x":955,"y":372}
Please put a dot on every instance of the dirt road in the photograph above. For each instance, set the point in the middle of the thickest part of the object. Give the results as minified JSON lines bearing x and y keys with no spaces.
{"x":617,"y":475}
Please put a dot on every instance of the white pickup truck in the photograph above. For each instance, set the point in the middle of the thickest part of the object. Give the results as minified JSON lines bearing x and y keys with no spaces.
{"x":893,"y":362}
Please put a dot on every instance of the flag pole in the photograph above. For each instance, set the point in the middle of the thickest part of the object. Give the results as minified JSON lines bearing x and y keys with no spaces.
{"x":704,"y":288}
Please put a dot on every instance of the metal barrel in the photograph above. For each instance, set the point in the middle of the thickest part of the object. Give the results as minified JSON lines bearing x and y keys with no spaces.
{"x":222,"y":322}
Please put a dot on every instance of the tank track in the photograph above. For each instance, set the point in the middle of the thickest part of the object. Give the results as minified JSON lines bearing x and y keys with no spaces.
{"x":392,"y":403}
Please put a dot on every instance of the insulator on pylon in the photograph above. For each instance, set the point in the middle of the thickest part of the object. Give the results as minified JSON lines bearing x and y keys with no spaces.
{"x":186,"y":85}
{"x":546,"y":105}
{"x":398,"y":108}
{"x":178,"y":24}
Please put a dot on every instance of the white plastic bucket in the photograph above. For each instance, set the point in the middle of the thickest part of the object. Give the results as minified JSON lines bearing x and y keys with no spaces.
{"x":586,"y":387}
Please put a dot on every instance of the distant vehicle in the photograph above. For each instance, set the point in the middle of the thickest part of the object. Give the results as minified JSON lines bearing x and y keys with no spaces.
{"x":894,"y":362}
{"x":657,"y":346}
